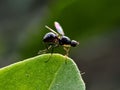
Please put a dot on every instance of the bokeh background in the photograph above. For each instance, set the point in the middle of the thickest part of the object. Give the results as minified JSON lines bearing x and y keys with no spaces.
{"x":94,"y":23}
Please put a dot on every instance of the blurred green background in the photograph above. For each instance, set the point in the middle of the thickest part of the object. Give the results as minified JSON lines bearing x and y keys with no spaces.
{"x":94,"y":23}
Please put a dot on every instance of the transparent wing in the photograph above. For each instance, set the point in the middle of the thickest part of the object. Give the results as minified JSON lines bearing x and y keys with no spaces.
{"x":59,"y":28}
{"x":51,"y":30}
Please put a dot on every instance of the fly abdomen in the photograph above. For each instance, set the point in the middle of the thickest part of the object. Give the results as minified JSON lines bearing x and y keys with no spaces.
{"x":64,"y":40}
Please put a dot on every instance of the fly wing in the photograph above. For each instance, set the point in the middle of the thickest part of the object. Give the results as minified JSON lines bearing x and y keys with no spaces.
{"x":59,"y":28}
{"x":51,"y":30}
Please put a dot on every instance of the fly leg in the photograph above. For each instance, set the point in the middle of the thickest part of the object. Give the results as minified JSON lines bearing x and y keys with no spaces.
{"x":45,"y":50}
{"x":67,"y":49}
{"x":52,"y":49}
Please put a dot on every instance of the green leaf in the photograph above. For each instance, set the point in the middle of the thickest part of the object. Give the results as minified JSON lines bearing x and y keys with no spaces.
{"x":43,"y":72}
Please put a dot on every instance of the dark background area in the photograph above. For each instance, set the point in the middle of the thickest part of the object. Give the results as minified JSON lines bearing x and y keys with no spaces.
{"x":95,"y":24}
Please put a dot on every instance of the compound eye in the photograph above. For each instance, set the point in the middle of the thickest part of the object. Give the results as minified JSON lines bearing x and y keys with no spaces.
{"x":65,"y":40}
{"x":49,"y":37}
{"x":74,"y":43}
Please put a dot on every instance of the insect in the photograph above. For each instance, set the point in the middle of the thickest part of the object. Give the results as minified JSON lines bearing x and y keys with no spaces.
{"x":55,"y":39}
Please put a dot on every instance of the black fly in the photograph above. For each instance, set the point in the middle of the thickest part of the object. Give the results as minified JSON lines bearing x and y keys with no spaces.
{"x":54,"y":39}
